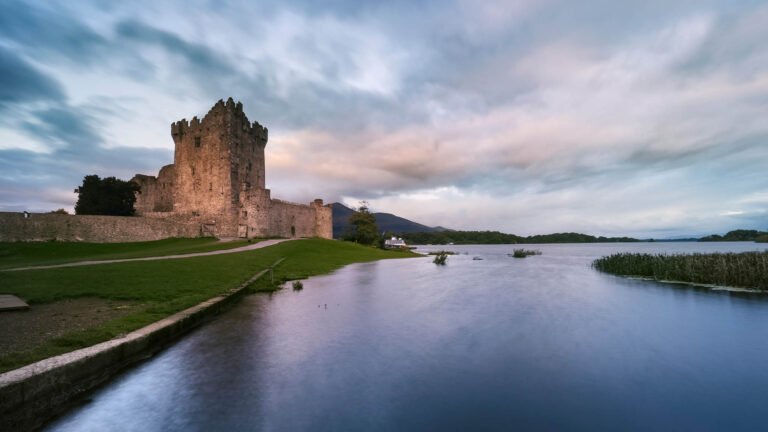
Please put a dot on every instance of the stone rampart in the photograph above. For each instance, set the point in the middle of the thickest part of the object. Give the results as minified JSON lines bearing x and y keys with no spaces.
{"x":289,"y":220}
{"x":88,"y":228}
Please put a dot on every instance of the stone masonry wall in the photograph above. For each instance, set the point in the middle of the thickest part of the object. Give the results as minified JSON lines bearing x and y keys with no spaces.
{"x":291,"y":220}
{"x":87,"y":228}
{"x":157,"y":193}
{"x":323,"y":219}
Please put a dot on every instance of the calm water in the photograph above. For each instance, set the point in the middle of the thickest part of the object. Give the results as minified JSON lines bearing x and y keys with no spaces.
{"x":542,"y":343}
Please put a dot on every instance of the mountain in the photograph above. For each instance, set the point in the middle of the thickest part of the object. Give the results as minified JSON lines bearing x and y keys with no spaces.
{"x":385,"y":221}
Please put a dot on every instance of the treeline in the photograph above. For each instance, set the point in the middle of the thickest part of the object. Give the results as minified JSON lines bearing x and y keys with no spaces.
{"x":495,"y":237}
{"x":738,"y":235}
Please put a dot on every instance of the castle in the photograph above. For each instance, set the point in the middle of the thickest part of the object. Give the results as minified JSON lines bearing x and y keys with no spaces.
{"x":217,"y":181}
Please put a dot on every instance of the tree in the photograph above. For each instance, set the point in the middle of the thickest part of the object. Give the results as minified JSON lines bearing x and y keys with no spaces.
{"x":364,"y":228}
{"x":108,"y":196}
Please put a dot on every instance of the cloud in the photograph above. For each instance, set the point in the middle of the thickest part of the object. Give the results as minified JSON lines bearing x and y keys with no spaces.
{"x":197,"y":56}
{"x":23,"y":83}
{"x":64,"y":126}
{"x":50,"y":31}
{"x":516,"y":115}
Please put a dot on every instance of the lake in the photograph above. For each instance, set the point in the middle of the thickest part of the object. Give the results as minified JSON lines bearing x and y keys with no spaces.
{"x":542,"y":343}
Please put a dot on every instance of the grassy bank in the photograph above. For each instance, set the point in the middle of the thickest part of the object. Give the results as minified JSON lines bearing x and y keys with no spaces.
{"x":741,"y":270}
{"x":161,"y":288}
{"x":23,"y":254}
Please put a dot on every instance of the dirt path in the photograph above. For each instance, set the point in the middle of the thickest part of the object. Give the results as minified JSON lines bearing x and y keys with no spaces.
{"x":258,"y":245}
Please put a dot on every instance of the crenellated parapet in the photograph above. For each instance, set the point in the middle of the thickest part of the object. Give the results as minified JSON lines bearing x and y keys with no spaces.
{"x":223,"y":114}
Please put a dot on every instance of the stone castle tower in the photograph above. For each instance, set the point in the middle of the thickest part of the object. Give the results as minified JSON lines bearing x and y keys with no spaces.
{"x":218,"y":180}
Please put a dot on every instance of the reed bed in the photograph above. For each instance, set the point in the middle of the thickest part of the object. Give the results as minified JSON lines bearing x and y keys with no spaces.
{"x":440,"y":258}
{"x":522,"y":253}
{"x":739,"y":270}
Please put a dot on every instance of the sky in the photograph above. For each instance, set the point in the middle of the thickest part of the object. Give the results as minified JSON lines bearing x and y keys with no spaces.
{"x":640,"y":118}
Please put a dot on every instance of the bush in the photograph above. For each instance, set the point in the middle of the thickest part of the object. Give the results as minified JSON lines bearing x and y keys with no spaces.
{"x":297,"y":286}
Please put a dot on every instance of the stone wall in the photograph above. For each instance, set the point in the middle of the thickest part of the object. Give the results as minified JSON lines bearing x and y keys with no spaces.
{"x":291,"y":220}
{"x":157,"y":193}
{"x":323,"y":219}
{"x":87,"y":228}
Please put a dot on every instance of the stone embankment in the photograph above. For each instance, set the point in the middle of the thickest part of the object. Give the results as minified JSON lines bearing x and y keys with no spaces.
{"x":32,"y":395}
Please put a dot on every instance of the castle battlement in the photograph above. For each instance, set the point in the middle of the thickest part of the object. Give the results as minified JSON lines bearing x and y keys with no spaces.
{"x":229,"y":113}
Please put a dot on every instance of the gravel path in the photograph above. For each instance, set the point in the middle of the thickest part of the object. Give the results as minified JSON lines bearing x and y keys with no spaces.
{"x":258,"y":245}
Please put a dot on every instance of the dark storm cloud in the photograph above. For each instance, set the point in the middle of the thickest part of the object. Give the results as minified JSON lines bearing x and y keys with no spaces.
{"x":49,"y":29}
{"x":23,"y":83}
{"x":64,"y":126}
{"x":201,"y":58}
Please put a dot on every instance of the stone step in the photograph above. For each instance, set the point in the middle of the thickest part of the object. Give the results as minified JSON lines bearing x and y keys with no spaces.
{"x":11,"y":302}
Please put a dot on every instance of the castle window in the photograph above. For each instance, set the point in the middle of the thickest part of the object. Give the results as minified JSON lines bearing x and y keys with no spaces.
{"x":247,"y":185}
{"x":193,"y":170}
{"x":197,"y":142}
{"x":245,"y":213}
{"x":210,"y":186}
{"x":249,"y":166}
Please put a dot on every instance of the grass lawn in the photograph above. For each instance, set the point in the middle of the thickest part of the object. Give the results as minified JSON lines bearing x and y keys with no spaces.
{"x":23,"y":254}
{"x":161,"y":288}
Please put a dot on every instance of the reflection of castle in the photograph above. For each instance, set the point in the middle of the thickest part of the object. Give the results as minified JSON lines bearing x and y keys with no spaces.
{"x":217,"y":180}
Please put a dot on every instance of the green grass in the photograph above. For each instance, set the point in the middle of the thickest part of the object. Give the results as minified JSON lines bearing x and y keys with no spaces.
{"x":23,"y":254}
{"x":740,"y":270}
{"x":164,"y":287}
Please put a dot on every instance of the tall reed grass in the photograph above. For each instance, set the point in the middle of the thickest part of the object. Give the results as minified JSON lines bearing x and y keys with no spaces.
{"x":741,"y":270}
{"x":522,"y":253}
{"x":440,"y":258}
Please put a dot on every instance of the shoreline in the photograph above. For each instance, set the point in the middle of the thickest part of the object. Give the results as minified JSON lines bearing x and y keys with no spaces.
{"x":711,"y":287}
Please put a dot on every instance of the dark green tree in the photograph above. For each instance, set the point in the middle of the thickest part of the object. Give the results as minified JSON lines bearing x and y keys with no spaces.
{"x":107,"y":196}
{"x":363,"y":223}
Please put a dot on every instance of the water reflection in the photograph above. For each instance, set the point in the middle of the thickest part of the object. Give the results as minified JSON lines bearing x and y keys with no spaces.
{"x":538,"y":343}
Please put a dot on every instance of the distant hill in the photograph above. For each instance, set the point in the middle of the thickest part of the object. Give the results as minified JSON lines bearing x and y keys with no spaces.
{"x":737,"y":235}
{"x":495,"y":237}
{"x":385,"y":221}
